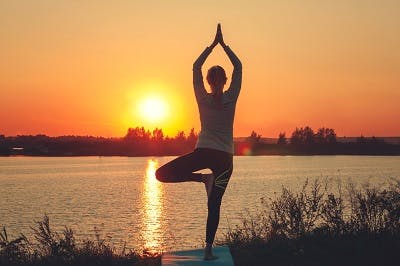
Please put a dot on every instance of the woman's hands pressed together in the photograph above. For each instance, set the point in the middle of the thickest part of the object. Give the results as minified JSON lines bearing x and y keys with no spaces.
{"x":218,"y":38}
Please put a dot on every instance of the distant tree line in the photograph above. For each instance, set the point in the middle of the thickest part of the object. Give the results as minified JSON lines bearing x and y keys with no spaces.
{"x":139,"y":141}
{"x":307,"y":135}
{"x":306,"y":141}
{"x":155,"y":142}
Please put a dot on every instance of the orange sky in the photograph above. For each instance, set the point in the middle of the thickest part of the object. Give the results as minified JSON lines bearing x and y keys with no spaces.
{"x":84,"y":67}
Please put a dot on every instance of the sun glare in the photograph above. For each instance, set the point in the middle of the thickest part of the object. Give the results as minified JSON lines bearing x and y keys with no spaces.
{"x":153,"y":109}
{"x":154,"y":105}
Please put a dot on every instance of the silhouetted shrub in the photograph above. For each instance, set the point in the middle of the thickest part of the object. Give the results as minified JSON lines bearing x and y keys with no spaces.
{"x":317,"y":227}
{"x":52,"y":248}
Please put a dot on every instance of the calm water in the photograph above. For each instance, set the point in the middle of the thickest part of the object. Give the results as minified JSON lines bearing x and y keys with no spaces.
{"x":120,"y":197}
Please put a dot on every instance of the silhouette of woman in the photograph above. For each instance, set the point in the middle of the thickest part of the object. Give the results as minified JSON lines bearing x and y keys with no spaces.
{"x":214,"y":148}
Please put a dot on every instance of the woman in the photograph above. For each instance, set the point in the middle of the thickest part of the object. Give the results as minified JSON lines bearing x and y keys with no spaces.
{"x":214,"y":148}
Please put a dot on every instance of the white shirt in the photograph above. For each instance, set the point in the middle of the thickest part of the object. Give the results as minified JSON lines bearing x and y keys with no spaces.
{"x":217,"y":117}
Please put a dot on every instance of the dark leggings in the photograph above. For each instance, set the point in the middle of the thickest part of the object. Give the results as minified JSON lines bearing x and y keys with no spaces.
{"x":182,"y":169}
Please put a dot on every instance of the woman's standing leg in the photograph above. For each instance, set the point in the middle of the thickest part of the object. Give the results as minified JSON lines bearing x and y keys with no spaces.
{"x":182,"y":168}
{"x":222,"y":172}
{"x":214,"y":204}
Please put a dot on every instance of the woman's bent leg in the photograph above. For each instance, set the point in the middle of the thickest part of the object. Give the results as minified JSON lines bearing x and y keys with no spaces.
{"x":181,"y":169}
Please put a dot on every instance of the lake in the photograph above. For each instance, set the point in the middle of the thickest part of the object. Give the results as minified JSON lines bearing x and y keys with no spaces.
{"x":120,"y":198}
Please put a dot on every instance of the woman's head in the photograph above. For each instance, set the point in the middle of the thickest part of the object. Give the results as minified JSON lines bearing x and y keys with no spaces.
{"x":216,"y":77}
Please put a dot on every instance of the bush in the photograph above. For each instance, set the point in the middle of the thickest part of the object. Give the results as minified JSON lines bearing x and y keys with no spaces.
{"x":293,"y":215}
{"x":53,"y":248}
{"x":317,"y":227}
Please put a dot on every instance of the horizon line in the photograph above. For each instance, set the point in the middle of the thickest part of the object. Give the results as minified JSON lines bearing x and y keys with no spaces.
{"x":166,"y":135}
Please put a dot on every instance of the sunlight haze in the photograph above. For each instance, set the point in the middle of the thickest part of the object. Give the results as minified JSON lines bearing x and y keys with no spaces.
{"x":85,"y":67}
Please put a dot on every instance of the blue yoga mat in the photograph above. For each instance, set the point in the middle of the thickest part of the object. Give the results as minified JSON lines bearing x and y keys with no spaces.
{"x":195,"y":257}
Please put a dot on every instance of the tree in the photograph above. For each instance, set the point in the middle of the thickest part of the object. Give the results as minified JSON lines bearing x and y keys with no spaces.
{"x":330,"y":136}
{"x":158,"y":135}
{"x":282,"y":138}
{"x":296,"y":137}
{"x":180,"y":136}
{"x":254,"y":137}
{"x":308,"y":135}
{"x":192,"y":137}
{"x":137,"y":134}
{"x":325,"y":136}
{"x":302,"y":136}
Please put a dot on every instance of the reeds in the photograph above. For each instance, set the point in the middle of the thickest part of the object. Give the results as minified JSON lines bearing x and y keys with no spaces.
{"x":53,"y":248}
{"x":315,"y":226}
{"x":312,"y":226}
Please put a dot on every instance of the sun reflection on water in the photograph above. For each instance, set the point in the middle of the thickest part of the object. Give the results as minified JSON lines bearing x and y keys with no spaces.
{"x":152,"y":198}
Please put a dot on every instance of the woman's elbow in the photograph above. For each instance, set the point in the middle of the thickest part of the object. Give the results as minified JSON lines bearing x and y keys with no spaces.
{"x":237,"y":68}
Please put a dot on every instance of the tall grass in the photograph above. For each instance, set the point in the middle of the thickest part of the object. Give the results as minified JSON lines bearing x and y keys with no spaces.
{"x":52,"y":248}
{"x":317,"y":225}
{"x":314,"y":226}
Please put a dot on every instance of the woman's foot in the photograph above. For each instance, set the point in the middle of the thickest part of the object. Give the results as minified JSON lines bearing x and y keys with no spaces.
{"x":208,"y":180}
{"x":208,"y":253}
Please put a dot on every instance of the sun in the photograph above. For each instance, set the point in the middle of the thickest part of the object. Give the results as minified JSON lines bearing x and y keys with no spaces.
{"x":153,"y":109}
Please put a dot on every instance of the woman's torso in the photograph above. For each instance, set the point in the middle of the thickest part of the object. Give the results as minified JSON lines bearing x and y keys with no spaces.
{"x":217,"y":117}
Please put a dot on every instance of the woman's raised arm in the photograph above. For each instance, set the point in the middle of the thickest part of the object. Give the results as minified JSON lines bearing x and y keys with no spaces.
{"x":198,"y":83}
{"x":236,"y":82}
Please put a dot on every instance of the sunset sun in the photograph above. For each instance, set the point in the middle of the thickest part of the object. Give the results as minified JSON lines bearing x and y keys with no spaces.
{"x":153,"y":109}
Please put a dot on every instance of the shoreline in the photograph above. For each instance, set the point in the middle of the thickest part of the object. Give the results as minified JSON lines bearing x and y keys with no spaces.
{"x":174,"y":155}
{"x":317,"y":225}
